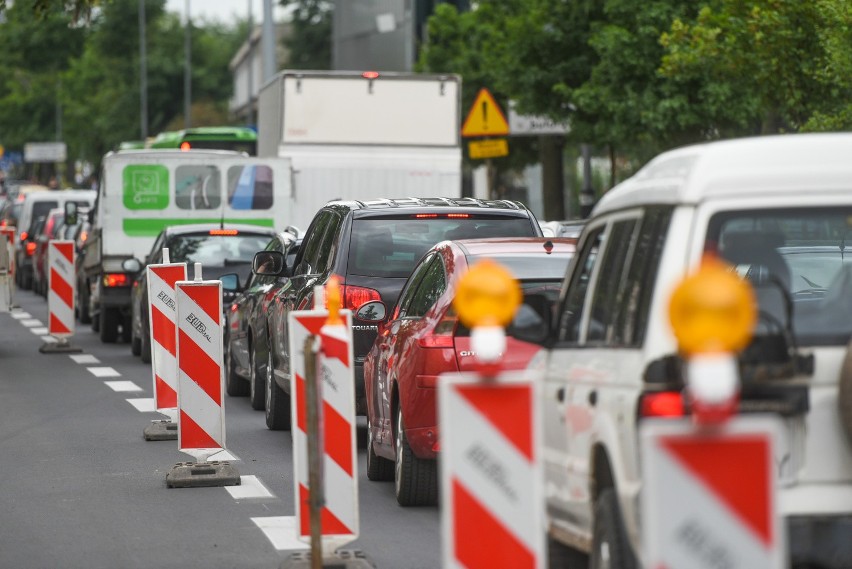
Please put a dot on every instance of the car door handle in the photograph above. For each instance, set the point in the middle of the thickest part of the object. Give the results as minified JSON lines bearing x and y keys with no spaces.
{"x":560,"y":394}
{"x":593,"y":398}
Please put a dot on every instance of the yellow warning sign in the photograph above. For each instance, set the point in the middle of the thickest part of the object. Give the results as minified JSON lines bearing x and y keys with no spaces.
{"x":491,"y":148}
{"x":485,"y":117}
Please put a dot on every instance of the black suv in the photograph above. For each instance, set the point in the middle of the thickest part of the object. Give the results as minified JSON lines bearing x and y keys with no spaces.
{"x":373,"y":247}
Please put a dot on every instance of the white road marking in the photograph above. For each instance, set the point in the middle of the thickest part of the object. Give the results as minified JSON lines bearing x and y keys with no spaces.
{"x":122,"y":386}
{"x":103,"y":372}
{"x":281,"y":532}
{"x":85,"y":359}
{"x":21,"y":315}
{"x":224,"y":455}
{"x":250,"y":487}
{"x":49,"y":339}
{"x":143,"y":404}
{"x":39,"y":331}
{"x":30,"y":322}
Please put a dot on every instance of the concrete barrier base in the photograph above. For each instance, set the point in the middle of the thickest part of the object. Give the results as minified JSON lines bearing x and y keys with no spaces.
{"x":59,"y":347}
{"x":202,"y":474}
{"x":342,"y":559}
{"x":160,"y":431}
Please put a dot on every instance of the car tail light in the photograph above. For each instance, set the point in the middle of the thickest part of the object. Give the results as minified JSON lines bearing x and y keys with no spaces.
{"x":116,"y":279}
{"x":24,"y":235}
{"x":83,"y":236}
{"x":185,"y":146}
{"x":31,"y":247}
{"x":662,"y":404}
{"x":441,"y":335}
{"x":356,"y":296}
{"x":224,"y":232}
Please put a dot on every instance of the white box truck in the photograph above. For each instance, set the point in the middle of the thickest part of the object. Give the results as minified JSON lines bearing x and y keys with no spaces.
{"x":362,"y":136}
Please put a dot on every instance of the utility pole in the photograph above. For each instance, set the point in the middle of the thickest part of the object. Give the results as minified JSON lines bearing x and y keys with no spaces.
{"x":143,"y":74}
{"x":268,"y":42}
{"x":187,"y":71}
{"x":250,"y":65}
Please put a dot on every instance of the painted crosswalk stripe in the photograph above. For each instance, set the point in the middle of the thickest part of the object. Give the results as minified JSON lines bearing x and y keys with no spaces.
{"x":281,"y":532}
{"x":250,"y":487}
{"x":40,"y":331}
{"x":84,"y":359}
{"x":21,"y":315}
{"x":143,"y":404}
{"x":30,"y":322}
{"x":122,"y":386}
{"x":103,"y":372}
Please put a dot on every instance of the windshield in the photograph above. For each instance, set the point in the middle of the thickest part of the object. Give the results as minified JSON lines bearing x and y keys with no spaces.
{"x":391,"y":247}
{"x":798,"y":261}
{"x":216,"y":250}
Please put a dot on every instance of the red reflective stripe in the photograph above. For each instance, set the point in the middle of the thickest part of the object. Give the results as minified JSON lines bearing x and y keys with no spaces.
{"x":56,"y":326}
{"x":301,"y":404}
{"x":62,"y":289}
{"x":338,"y":438}
{"x":166,"y":396}
{"x":507,"y":410}
{"x":195,"y":363}
{"x":163,"y":330}
{"x":171,"y":274}
{"x":313,"y":324}
{"x":67,"y":250}
{"x":331,"y":524}
{"x":193,"y":436}
{"x":470,"y":523}
{"x":207,"y":298}
{"x":334,"y":347}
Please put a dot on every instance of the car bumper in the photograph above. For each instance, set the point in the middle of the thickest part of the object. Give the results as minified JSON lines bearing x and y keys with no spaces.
{"x":820,"y":541}
{"x":423,"y":442}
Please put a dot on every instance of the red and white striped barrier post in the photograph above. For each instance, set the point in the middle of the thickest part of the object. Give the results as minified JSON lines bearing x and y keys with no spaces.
{"x":324,"y":448}
{"x":162,"y":314}
{"x":60,"y":297}
{"x":201,"y":385}
{"x":492,"y":512}
{"x":7,"y":268}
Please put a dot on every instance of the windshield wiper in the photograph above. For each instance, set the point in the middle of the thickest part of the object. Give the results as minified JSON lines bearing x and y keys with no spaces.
{"x":811,"y":283}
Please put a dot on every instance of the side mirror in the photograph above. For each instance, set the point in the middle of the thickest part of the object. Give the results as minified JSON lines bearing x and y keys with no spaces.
{"x":268,"y":263}
{"x":230,"y":282}
{"x":373,"y":311}
{"x":70,"y":213}
{"x":131,"y":265}
{"x":529,"y":325}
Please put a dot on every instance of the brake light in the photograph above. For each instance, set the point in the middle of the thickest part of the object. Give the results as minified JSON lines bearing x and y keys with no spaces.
{"x":356,"y":296}
{"x":31,"y":247}
{"x":441,"y":335}
{"x":224,"y":232}
{"x":185,"y":145}
{"x":662,"y":404}
{"x":425,"y":215}
{"x":444,"y":215}
{"x":24,"y":235}
{"x":458,"y":215}
{"x":115,"y":279}
{"x":370,"y":75}
{"x":84,"y":235}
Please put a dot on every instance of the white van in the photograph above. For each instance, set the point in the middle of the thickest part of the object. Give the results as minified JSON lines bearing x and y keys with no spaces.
{"x":34,"y":205}
{"x":144,"y":191}
{"x":779,"y":210}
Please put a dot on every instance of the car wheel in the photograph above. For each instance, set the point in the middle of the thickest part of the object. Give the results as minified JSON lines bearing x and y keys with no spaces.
{"x":415,"y":479}
{"x":145,"y":352}
{"x":378,"y":469}
{"x":235,"y":386}
{"x":126,"y":329}
{"x":83,"y":306}
{"x":610,"y":547}
{"x":108,"y":321}
{"x":257,"y":394}
{"x":277,"y":401}
{"x":135,"y":343}
{"x":26,"y":280}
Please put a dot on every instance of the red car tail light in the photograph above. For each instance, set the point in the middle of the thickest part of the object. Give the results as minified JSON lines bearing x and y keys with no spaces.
{"x":116,"y":279}
{"x":441,"y":335}
{"x":31,"y":247}
{"x":662,"y":404}
{"x":23,"y":236}
{"x":356,"y":296}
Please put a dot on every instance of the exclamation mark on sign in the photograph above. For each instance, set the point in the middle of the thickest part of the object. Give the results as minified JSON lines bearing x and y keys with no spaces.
{"x":485,"y":115}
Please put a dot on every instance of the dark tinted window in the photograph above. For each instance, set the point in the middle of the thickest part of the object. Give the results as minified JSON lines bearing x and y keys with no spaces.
{"x":313,"y":242}
{"x":413,"y":282}
{"x":41,"y":208}
{"x":572,"y":308}
{"x":215,"y":250}
{"x":328,"y":247}
{"x":610,"y":279}
{"x":432,"y":286}
{"x":391,"y":247}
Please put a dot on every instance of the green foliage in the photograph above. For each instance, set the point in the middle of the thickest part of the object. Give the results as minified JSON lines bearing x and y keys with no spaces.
{"x":309,"y":43}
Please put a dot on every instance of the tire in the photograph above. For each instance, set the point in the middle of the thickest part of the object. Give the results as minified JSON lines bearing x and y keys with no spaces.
{"x":257,"y":395}
{"x":415,"y":479}
{"x":277,"y":402}
{"x":96,"y":323}
{"x":126,"y":329}
{"x":83,"y":306}
{"x":379,"y":469}
{"x":610,"y":546}
{"x":108,"y":320}
{"x":135,"y":344}
{"x":26,"y":280}
{"x":844,"y":394}
{"x":146,"y":343}
{"x":560,"y":556}
{"x":235,"y":386}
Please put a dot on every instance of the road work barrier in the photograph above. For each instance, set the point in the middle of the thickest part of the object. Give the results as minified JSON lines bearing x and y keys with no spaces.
{"x":324,"y":448}
{"x":201,"y":385}
{"x":7,"y":269}
{"x":162,"y":313}
{"x":60,"y":297}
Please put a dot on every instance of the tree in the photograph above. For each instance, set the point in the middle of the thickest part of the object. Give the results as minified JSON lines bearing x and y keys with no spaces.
{"x":309,"y":43}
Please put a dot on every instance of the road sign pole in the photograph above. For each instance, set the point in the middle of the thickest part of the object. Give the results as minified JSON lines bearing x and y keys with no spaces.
{"x":316,"y":499}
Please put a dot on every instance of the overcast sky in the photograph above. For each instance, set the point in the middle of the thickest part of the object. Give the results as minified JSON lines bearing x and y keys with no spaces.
{"x":222,"y":10}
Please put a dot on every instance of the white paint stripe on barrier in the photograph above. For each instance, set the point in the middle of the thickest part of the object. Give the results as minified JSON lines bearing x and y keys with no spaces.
{"x":122,"y":386}
{"x":166,"y":365}
{"x":58,"y":306}
{"x":103,"y":372}
{"x":30,"y":322}
{"x":143,"y":404}
{"x":250,"y":488}
{"x":21,"y":315}
{"x":49,"y":339}
{"x":340,"y":399}
{"x":84,"y":359}
{"x":480,"y":434}
{"x":195,"y":402}
{"x":225,"y":455}
{"x":212,"y":329}
{"x":39,"y":331}
{"x":281,"y":532}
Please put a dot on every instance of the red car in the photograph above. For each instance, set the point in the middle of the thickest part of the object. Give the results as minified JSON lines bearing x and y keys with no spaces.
{"x":423,"y":339}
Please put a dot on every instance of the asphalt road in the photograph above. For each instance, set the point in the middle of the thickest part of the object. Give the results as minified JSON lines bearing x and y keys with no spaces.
{"x":80,"y":487}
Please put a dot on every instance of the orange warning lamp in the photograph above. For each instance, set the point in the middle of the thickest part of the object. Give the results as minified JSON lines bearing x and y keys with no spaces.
{"x":333,"y":301}
{"x":713,"y":310}
{"x":487,"y":295}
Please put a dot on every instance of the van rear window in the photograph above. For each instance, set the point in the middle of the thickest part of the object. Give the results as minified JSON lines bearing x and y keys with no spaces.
{"x":41,"y":208}
{"x":391,"y":247}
